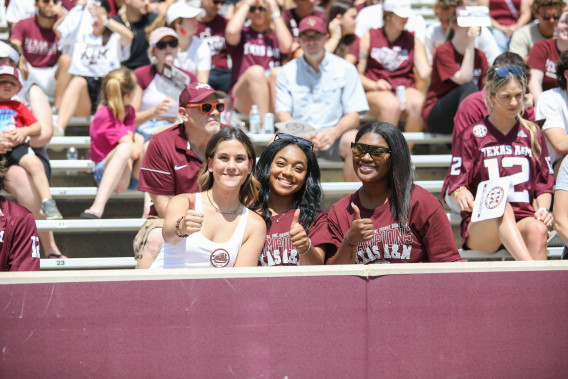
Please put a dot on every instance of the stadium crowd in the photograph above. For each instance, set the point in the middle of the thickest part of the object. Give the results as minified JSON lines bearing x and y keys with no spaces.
{"x":164,"y":80}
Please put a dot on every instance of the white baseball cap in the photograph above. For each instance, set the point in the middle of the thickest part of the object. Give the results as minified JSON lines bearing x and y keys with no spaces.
{"x":182,"y":9}
{"x":401,"y":8}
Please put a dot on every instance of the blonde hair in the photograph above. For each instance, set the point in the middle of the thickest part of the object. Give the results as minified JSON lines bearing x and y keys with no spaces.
{"x":493,"y":83}
{"x":116,"y":84}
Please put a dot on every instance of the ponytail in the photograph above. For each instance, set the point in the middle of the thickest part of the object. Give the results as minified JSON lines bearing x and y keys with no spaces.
{"x":116,"y":85}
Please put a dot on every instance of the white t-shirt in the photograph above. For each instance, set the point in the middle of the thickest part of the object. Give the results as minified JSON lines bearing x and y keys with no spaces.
{"x":371,"y":17}
{"x":553,"y":106}
{"x":435,"y":37}
{"x":91,"y":58}
{"x":19,"y":10}
{"x":196,"y":57}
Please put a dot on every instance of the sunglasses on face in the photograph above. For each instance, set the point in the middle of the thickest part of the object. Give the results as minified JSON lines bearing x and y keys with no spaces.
{"x":208,"y":107}
{"x":163,"y":44}
{"x":376,"y":152}
{"x":219,"y":2}
{"x":504,"y":71}
{"x":259,"y":8}
{"x":547,"y":17}
{"x":299,"y":140}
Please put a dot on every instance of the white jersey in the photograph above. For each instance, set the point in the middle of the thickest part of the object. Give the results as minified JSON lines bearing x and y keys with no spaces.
{"x":553,"y":106}
{"x":91,"y":58}
{"x":198,"y":251}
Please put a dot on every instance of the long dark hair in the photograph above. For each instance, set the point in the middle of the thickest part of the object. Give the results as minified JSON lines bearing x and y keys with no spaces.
{"x":307,"y":199}
{"x":340,"y":7}
{"x":401,"y":175}
{"x":249,"y":189}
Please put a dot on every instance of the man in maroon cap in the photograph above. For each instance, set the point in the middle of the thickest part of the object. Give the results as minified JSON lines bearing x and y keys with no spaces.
{"x":325,"y":91}
{"x":173,"y":160}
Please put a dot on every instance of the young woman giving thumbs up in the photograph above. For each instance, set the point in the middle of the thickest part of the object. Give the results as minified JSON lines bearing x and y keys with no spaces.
{"x":389,"y":219}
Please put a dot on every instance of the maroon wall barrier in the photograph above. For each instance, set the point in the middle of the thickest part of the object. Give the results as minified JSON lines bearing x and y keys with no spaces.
{"x":504,"y":324}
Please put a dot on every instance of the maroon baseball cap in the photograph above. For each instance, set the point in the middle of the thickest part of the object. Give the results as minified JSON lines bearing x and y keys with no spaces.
{"x":195,"y":92}
{"x":10,"y":71}
{"x":313,"y":23}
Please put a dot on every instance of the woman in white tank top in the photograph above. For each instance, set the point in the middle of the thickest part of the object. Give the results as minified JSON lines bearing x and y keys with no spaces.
{"x":214,"y":227}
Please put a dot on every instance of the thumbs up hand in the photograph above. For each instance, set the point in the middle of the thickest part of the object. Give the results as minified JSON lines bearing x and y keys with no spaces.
{"x":298,"y":235}
{"x":361,"y":229}
{"x":193,"y":219}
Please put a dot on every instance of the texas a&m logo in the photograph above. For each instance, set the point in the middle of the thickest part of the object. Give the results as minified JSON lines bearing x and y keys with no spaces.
{"x":219,"y":258}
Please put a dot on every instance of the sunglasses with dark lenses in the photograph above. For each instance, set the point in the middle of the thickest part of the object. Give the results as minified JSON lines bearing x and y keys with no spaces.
{"x":208,"y":107}
{"x":376,"y":152}
{"x":254,"y":9}
{"x":163,"y":44}
{"x":299,"y":140}
{"x":547,"y":17}
{"x":219,"y":2}
{"x":504,"y":71}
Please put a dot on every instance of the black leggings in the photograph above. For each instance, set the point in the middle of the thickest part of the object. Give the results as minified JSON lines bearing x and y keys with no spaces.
{"x":441,"y":117}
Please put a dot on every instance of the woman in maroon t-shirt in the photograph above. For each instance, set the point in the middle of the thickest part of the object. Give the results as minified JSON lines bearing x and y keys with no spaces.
{"x":290,"y":202}
{"x":341,"y":23}
{"x":543,"y":57}
{"x":255,"y":51}
{"x":458,"y":70}
{"x":388,"y":57}
{"x":389,"y":219}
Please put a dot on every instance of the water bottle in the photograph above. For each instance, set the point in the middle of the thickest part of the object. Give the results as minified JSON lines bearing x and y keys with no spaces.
{"x":72,"y":155}
{"x":401,"y":95}
{"x":269,"y":123}
{"x":254,"y":120}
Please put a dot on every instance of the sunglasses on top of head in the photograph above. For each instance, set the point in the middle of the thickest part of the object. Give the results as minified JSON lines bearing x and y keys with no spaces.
{"x":208,"y":107}
{"x":376,"y":152}
{"x":504,"y":71}
{"x":163,"y":44}
{"x":299,"y":140}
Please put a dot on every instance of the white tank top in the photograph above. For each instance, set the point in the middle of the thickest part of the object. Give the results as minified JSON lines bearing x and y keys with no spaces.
{"x":198,"y":251}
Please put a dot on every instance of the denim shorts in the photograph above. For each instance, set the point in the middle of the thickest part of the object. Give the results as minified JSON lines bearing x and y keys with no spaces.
{"x":148,"y":128}
{"x":99,"y":171}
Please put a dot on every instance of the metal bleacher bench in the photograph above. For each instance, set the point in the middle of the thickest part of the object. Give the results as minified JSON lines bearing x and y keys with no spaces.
{"x":130,"y":262}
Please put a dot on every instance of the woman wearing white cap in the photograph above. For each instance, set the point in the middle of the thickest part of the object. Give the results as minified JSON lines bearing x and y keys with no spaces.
{"x":193,"y":54}
{"x":156,"y":108}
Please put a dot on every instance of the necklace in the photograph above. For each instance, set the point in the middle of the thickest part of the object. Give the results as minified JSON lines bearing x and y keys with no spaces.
{"x":281,"y":216}
{"x":218,"y":210}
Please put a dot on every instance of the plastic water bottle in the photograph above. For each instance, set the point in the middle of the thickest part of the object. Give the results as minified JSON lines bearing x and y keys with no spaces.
{"x":254,"y":120}
{"x":72,"y":155}
{"x":269,"y":123}
{"x":401,"y":95}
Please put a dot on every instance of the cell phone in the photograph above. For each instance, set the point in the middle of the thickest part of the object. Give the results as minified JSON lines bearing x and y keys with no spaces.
{"x":540,"y":122}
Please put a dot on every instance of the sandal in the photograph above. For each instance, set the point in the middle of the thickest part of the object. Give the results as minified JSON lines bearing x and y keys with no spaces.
{"x":91,"y":214}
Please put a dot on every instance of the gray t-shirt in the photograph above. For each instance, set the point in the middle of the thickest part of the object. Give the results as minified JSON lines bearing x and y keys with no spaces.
{"x":525,"y":38}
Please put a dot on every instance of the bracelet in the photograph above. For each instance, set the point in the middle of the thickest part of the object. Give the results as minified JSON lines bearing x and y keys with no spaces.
{"x":275,"y":14}
{"x":455,"y":193}
{"x":309,"y":247}
{"x":177,"y":229}
{"x":349,"y":243}
{"x":106,"y":21}
{"x":543,"y":209}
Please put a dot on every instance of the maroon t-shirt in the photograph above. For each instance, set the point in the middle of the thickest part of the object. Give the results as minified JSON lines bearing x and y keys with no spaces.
{"x":499,"y":10}
{"x":39,"y":45}
{"x":19,"y":242}
{"x":292,"y":20}
{"x":391,"y":61}
{"x":145,"y":75}
{"x":473,"y":108}
{"x":278,"y":249}
{"x":254,"y":48}
{"x":447,"y":62}
{"x":169,"y":166}
{"x":482,"y":152}
{"x":427,"y":238}
{"x":213,"y":32}
{"x":354,"y":47}
{"x":543,"y":56}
